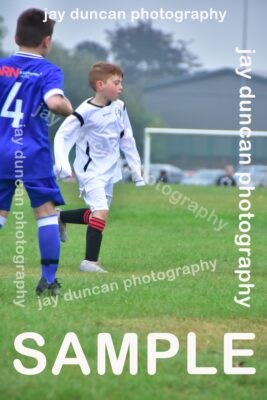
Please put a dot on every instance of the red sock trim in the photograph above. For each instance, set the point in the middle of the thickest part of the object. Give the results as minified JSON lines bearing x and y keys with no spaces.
{"x":86,"y":216}
{"x":97,"y":223}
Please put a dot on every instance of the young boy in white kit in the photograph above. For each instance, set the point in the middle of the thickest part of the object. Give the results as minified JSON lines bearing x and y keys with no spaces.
{"x":100,"y":128}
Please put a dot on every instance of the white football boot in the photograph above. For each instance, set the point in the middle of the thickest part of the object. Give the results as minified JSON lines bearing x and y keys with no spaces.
{"x":91,"y":266}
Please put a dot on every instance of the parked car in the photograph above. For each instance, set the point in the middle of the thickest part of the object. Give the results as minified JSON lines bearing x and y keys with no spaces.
{"x":125,"y":170}
{"x":166,"y":173}
{"x":203,"y":177}
{"x":258,"y":174}
{"x":264,"y":181}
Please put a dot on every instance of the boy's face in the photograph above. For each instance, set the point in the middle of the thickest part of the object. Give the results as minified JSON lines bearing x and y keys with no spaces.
{"x":112,"y":87}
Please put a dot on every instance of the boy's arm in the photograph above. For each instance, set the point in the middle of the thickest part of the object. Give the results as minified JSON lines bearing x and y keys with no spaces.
{"x":64,"y":140}
{"x":128,"y":147}
{"x":59,"y":105}
{"x":53,"y":91}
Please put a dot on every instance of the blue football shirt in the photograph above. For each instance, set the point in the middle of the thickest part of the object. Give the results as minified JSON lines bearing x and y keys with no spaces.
{"x":26,"y":82}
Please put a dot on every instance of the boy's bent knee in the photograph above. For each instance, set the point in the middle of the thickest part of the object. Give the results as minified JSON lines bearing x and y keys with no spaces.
{"x":101,"y":214}
{"x":44,"y":210}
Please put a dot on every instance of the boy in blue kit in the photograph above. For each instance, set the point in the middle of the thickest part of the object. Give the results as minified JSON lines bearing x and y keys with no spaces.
{"x":29,"y":87}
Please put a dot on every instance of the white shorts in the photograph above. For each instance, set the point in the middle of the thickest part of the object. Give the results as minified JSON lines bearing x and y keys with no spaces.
{"x":99,"y":198}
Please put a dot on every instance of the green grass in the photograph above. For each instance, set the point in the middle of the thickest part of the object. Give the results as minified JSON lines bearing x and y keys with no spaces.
{"x":144,"y":233}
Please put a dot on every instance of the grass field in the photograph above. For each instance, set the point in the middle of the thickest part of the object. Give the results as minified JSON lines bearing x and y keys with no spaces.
{"x":145,"y":233}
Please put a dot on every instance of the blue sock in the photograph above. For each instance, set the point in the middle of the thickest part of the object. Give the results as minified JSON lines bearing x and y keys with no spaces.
{"x":2,"y":221}
{"x":49,"y":244}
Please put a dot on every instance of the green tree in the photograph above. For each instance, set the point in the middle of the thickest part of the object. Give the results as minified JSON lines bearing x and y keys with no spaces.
{"x":2,"y":35}
{"x":150,"y":54}
{"x":98,"y":51}
{"x":75,"y":67}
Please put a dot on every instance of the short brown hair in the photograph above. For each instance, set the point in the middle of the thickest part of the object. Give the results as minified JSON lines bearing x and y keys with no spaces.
{"x":101,"y":71}
{"x":31,"y":29}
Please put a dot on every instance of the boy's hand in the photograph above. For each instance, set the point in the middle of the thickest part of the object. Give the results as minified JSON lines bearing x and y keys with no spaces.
{"x":62,"y":174}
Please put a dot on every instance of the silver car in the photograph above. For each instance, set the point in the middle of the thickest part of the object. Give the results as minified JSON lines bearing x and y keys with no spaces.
{"x":258,"y":174}
{"x":165,"y":173}
{"x":204,"y":177}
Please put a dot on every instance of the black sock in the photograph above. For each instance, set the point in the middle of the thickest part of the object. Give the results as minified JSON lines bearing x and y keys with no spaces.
{"x":94,"y":238}
{"x":93,"y":243}
{"x":80,"y":216}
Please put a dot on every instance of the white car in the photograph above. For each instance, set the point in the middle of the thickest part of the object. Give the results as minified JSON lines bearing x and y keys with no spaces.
{"x":204,"y":177}
{"x":257,"y":173}
{"x":166,"y":173}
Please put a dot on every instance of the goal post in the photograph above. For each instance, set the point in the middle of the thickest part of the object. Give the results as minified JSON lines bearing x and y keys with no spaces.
{"x":149,"y":132}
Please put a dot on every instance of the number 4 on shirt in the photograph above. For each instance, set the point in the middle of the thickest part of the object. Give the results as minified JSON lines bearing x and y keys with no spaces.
{"x":17,"y":114}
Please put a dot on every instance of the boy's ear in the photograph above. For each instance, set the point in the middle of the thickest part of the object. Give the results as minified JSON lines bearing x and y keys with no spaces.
{"x":99,"y":85}
{"x":46,"y":42}
{"x":16,"y":40}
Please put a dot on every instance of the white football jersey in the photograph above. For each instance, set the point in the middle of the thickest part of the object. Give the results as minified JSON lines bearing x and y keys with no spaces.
{"x":99,"y":134}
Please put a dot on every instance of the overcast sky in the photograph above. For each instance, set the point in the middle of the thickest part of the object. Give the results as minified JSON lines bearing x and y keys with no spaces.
{"x":212,"y":41}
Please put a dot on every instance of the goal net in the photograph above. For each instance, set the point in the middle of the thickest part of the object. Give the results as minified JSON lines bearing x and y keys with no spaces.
{"x":201,"y":148}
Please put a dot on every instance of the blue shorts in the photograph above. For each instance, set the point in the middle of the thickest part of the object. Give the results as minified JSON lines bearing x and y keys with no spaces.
{"x":40,"y":191}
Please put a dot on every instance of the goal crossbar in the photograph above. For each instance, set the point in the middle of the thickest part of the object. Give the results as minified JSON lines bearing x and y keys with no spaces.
{"x":149,"y":131}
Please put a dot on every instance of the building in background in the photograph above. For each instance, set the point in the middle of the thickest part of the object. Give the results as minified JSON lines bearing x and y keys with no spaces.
{"x":208,"y":100}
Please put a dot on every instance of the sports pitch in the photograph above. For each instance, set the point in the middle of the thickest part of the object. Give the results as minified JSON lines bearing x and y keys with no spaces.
{"x":146,"y":234}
